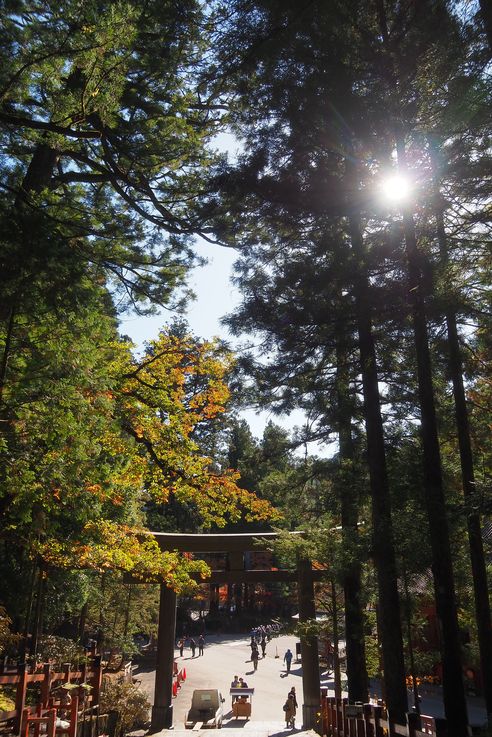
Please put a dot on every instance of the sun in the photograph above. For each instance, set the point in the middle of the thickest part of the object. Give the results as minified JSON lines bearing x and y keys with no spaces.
{"x":396,"y":188}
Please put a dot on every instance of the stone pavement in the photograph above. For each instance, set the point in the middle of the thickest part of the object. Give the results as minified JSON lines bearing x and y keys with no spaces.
{"x":236,"y":727}
{"x":226,"y":655}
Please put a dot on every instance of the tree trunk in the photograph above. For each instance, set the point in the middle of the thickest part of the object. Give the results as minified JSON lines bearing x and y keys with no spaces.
{"x":101,"y":634}
{"x":486,"y":13}
{"x":442,"y":566}
{"x":214,"y":604}
{"x":238,"y":598}
{"x":6,"y":352}
{"x":6,"y":426}
{"x":38,"y":612}
{"x":411,"y":658}
{"x":39,"y":172}
{"x":82,"y":621}
{"x":27,"y":619}
{"x":383,"y":542}
{"x":477,"y":557}
{"x":336,"y":643}
{"x":358,"y":686}
{"x":127,"y":610}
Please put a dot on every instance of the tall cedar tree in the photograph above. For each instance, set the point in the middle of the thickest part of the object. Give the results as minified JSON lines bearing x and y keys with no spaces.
{"x":296,"y":180}
{"x":374,"y":98}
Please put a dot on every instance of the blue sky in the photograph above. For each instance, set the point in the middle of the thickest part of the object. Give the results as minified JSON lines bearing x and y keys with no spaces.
{"x":216,"y":296}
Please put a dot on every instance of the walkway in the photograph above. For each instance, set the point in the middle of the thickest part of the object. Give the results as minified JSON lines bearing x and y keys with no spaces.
{"x":228,"y":655}
{"x":251,"y":729}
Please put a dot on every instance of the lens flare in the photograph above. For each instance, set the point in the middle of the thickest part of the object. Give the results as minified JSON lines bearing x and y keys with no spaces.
{"x":396,"y":188}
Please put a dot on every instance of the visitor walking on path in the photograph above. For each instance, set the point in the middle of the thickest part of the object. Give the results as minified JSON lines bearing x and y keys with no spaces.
{"x":201,"y":644}
{"x":292,"y":693}
{"x":290,"y":710}
{"x":180,"y":645}
{"x":254,"y":657}
{"x":263,"y":646}
{"x":193,"y":647}
{"x":288,"y":659}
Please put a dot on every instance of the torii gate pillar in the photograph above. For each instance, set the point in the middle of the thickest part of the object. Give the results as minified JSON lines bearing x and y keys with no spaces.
{"x":162,"y":710}
{"x":309,"y":648}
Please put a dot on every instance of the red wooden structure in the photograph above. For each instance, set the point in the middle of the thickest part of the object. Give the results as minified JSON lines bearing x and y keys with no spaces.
{"x":341,"y":719}
{"x":23,"y":717}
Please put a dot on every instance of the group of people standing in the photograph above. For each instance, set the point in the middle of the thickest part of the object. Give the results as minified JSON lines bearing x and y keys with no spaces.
{"x":290,"y":706}
{"x":192,"y":644}
{"x":255,"y":653}
{"x":264,"y":631}
{"x":238,"y":683}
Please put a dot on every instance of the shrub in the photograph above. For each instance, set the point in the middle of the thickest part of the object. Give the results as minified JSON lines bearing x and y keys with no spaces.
{"x":59,"y":650}
{"x":7,"y":699}
{"x":131,"y":704}
{"x":7,"y":637}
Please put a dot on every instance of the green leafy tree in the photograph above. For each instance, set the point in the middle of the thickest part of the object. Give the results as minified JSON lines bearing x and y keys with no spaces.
{"x":104,"y":125}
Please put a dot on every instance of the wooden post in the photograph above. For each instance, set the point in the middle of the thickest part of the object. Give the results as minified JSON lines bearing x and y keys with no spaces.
{"x":46,"y":684}
{"x":324,"y":728}
{"x":345,"y":723}
{"x":413,"y":723}
{"x":377,"y":713}
{"x":74,"y":715}
{"x":24,"y":723}
{"x":51,"y":729}
{"x":96,"y":680}
{"x":367,"y":719}
{"x":20,"y":696}
{"x":338,"y":722}
{"x":360,"y":727}
{"x":162,"y":709}
{"x":441,"y":727}
{"x":37,"y":722}
{"x":332,"y":720}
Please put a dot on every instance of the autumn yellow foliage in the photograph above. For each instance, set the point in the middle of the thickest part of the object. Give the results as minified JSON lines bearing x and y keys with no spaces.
{"x":157,"y":406}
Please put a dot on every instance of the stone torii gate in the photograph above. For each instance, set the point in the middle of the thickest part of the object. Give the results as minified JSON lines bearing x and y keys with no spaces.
{"x":235,"y":546}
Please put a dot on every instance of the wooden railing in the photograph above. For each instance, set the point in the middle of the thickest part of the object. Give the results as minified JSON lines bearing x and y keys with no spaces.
{"x":48,"y":679}
{"x":341,"y":719}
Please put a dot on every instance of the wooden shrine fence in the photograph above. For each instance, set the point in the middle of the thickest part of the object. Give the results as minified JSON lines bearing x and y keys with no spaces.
{"x":52,"y":714}
{"x":341,"y":719}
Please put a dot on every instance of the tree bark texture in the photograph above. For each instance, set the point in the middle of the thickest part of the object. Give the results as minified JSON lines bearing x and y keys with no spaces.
{"x":383,"y":541}
{"x":486,"y":13}
{"x":358,"y":685}
{"x":442,"y":566}
{"x":474,"y":527}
